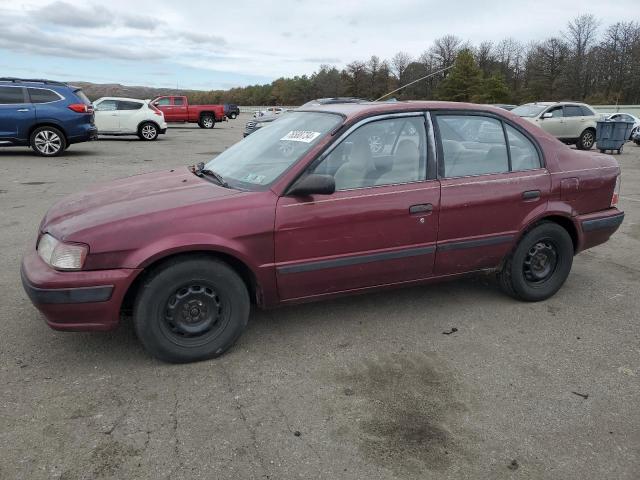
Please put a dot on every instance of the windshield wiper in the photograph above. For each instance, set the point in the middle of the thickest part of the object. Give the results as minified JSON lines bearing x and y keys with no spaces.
{"x":200,"y":171}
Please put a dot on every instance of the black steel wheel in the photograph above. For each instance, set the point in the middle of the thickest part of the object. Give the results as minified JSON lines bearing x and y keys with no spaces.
{"x":191,"y":308}
{"x":540,"y":263}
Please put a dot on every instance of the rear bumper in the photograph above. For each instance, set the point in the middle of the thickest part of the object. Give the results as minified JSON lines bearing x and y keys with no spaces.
{"x":163,"y":130}
{"x":91,"y":133}
{"x":596,"y":228}
{"x":75,"y":301}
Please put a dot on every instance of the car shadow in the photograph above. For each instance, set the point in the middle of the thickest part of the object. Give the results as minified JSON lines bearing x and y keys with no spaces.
{"x":284,"y":324}
{"x":27,"y":152}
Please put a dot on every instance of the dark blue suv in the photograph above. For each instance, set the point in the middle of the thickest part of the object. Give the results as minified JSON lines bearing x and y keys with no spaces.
{"x":45,"y":115}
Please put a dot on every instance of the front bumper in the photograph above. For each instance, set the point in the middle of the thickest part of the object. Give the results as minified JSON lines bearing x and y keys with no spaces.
{"x":76,"y":301}
{"x":596,"y":228}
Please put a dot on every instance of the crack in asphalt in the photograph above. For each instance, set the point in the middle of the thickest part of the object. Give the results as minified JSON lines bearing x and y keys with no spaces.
{"x":243,"y":417}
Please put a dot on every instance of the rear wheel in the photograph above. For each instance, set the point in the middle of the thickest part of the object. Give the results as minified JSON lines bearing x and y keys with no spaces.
{"x":586,"y":140}
{"x":233,"y":115}
{"x":148,"y":131}
{"x":48,"y":141}
{"x":539,"y":265}
{"x":191,"y":309}
{"x":207,"y":121}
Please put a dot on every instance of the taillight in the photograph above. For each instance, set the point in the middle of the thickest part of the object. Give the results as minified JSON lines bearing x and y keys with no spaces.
{"x":155,"y":110}
{"x":80,"y":108}
{"x":616,"y":193}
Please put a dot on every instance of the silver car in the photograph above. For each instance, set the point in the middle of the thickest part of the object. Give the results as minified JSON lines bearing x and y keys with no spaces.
{"x":570,"y":122}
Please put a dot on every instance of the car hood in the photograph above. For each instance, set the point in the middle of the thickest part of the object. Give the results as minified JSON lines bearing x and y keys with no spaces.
{"x":137,"y":196}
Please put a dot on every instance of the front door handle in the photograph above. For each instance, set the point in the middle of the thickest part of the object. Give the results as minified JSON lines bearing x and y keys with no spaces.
{"x":422,"y":208}
{"x":23,"y":110}
{"x":531,"y":195}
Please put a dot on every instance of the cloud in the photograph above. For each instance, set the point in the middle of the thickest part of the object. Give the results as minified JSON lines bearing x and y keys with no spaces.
{"x":30,"y":40}
{"x":66,"y":14}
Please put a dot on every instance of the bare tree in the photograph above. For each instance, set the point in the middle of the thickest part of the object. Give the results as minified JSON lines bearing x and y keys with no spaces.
{"x":399,"y":63}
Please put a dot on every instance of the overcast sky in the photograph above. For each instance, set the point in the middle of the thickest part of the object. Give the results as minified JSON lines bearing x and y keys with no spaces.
{"x":220,"y":44}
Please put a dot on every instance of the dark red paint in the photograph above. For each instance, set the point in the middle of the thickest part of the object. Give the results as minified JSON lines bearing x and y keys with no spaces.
{"x":131,"y":223}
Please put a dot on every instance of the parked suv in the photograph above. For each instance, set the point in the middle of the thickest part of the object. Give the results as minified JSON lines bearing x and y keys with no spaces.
{"x":570,"y":122}
{"x":48,"y":116}
{"x":128,"y":116}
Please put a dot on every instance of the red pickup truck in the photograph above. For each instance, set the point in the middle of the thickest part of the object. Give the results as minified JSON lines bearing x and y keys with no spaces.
{"x":177,"y":109}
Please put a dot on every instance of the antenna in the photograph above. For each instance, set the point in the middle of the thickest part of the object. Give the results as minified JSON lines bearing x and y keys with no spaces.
{"x":411,"y":83}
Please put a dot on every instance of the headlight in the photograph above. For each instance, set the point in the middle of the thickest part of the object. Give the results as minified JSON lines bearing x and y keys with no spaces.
{"x":61,"y":256}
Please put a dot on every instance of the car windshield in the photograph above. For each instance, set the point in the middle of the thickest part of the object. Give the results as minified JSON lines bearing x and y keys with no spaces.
{"x":256,"y":161}
{"x":528,"y":110}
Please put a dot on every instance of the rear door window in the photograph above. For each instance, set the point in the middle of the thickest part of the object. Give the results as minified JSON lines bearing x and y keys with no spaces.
{"x":178,"y":101}
{"x":11,"y":95}
{"x":124,"y":105}
{"x":573,"y":111}
{"x":41,"y":95}
{"x":472,"y":145}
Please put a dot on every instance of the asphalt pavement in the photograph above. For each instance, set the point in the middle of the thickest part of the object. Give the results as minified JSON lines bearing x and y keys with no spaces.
{"x":365,"y":387}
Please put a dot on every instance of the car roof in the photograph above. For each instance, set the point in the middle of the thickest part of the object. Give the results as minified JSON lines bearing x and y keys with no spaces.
{"x":352,"y":110}
{"x":122,"y":98}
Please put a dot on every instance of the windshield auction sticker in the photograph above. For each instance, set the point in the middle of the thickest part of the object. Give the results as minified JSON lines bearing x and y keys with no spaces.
{"x":305,"y":136}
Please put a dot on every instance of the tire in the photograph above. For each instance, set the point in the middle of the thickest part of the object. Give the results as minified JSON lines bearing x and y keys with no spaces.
{"x":233,"y":116}
{"x":602,"y":150}
{"x":207,"y":121}
{"x":586,"y":140}
{"x":191,"y":308}
{"x":48,"y":141}
{"x":148,"y":131}
{"x":620,"y":149}
{"x":539,"y":265}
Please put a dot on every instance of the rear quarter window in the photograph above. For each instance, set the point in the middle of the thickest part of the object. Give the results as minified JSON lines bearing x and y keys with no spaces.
{"x":80,"y":94}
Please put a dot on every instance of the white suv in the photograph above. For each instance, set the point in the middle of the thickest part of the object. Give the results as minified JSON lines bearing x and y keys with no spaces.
{"x":570,"y":122}
{"x":128,"y":116}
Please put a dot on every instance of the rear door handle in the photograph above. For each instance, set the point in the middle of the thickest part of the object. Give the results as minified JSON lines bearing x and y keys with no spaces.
{"x":421,"y":208}
{"x":23,"y":110}
{"x":531,"y":195}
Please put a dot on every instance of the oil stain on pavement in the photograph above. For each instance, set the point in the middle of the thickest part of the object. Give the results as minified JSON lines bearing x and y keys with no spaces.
{"x":399,"y":406}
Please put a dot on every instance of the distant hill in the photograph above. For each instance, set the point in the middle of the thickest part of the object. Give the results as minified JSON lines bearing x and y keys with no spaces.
{"x":97,"y":90}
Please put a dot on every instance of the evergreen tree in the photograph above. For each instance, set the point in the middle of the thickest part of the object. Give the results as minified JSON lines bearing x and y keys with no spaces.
{"x":464,"y":81}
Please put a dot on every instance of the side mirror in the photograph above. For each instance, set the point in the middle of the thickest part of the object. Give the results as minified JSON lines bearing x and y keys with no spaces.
{"x":313,"y":184}
{"x":547,"y":115}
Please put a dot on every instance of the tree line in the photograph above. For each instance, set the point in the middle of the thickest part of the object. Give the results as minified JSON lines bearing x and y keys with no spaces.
{"x":585,"y":61}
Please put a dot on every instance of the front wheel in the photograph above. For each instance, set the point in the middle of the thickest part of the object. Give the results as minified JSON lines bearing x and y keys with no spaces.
{"x":233,"y":116}
{"x":48,"y":141}
{"x":586,"y":140}
{"x":148,"y":131}
{"x":191,"y":309}
{"x":207,"y":121}
{"x":539,"y":265}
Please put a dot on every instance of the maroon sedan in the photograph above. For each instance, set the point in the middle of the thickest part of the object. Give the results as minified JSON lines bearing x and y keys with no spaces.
{"x":325,"y":201}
